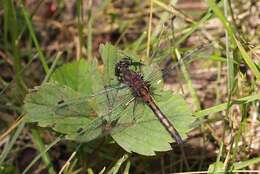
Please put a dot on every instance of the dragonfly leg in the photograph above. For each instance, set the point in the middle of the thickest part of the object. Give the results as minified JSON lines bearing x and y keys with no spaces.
{"x":111,"y":99}
{"x":112,"y":86}
{"x":155,"y":94}
{"x":135,"y":103}
{"x":140,"y":104}
{"x":138,"y":66}
{"x":130,"y":101}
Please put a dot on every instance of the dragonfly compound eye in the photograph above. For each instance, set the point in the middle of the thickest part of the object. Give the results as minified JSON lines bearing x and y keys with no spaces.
{"x":117,"y":70}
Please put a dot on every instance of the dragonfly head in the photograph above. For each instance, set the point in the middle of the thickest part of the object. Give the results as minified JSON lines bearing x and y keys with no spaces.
{"x":122,"y":65}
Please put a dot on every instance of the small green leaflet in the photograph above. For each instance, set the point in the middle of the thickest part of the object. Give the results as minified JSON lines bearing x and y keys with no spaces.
{"x":84,"y":104}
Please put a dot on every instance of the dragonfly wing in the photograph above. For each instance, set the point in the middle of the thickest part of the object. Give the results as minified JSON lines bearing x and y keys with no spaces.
{"x":156,"y":74}
{"x":104,"y":123}
{"x":88,"y":106}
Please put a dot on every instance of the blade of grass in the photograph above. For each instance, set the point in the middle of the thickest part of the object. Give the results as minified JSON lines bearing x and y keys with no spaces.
{"x":229,"y":55}
{"x":118,"y":164}
{"x":127,"y":167}
{"x":11,"y":128}
{"x":149,"y":31}
{"x":219,"y":59}
{"x":90,"y":171}
{"x":223,"y":106}
{"x":194,"y":27}
{"x":68,"y":162}
{"x":80,"y":27}
{"x":230,"y":78}
{"x":232,"y":171}
{"x":38,"y":5}
{"x":243,"y":164}
{"x":90,"y":22}
{"x":41,"y":147}
{"x":214,"y":7}
{"x":239,"y":133}
{"x":189,"y":82}
{"x":32,"y":34}
{"x":52,"y":67}
{"x":40,"y":155}
{"x":12,"y":28}
{"x":9,"y":145}
{"x":248,"y":59}
{"x":7,"y":16}
{"x":218,"y":82}
{"x":173,"y":10}
{"x":233,"y":39}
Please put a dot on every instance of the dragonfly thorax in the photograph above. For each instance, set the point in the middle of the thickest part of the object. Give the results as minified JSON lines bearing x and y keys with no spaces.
{"x":134,"y":80}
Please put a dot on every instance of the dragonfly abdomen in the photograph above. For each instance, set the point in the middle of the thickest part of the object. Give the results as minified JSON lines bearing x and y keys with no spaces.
{"x":165,"y":122}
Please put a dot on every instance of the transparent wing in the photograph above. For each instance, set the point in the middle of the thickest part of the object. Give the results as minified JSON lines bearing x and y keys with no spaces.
{"x":157,"y":73}
{"x":73,"y":105}
{"x":110,"y":114}
{"x":122,"y":116}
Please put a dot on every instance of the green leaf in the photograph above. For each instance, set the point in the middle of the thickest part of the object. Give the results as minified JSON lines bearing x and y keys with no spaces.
{"x":77,"y":104}
{"x":46,"y":104}
{"x":81,"y":76}
{"x":42,"y":107}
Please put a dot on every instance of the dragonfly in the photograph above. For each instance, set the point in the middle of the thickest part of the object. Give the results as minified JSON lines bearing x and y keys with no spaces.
{"x":114,"y":101}
{"x":141,"y":89}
